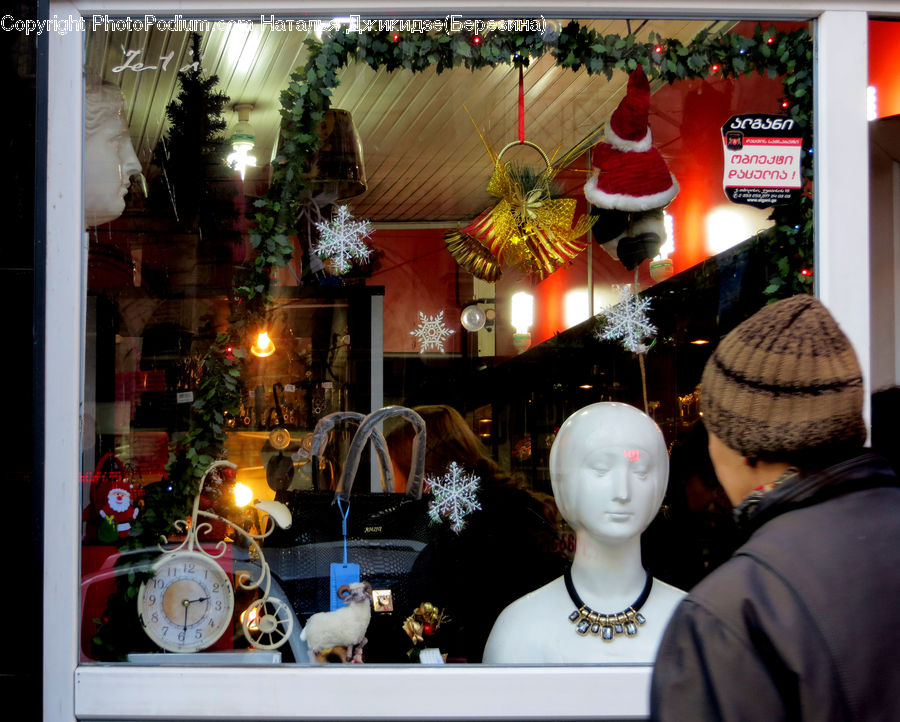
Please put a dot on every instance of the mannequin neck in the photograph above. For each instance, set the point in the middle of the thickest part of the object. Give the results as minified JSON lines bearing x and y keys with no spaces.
{"x":604,"y":569}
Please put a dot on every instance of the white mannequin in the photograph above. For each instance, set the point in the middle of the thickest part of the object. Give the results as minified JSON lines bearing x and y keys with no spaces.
{"x":109,"y":158}
{"x":609,"y":467}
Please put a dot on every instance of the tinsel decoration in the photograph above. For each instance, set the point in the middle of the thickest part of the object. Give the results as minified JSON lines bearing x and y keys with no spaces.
{"x":531,"y":227}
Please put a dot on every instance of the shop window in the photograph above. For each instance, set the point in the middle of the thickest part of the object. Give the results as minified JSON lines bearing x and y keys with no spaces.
{"x":276,"y":256}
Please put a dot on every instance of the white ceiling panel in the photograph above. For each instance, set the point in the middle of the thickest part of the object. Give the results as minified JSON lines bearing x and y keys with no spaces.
{"x":424,"y":158}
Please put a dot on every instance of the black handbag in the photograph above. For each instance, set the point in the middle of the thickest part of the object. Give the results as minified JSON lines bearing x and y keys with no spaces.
{"x":388,"y":534}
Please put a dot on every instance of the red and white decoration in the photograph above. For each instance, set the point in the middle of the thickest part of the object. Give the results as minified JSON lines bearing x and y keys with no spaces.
{"x":631,"y":174}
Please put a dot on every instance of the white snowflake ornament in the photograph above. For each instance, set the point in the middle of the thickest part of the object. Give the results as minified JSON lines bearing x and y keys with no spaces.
{"x":431,"y":332}
{"x":627,"y":321}
{"x":454,"y":496}
{"x":341,"y":240}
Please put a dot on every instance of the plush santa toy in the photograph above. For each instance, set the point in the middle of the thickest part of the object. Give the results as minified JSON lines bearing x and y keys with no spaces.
{"x":633,"y":183}
{"x":118,"y":508}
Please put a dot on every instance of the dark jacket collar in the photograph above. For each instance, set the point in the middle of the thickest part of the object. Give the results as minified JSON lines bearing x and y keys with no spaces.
{"x":865,"y":471}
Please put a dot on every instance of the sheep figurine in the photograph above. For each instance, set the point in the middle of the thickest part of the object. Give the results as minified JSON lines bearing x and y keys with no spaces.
{"x":345,"y":627}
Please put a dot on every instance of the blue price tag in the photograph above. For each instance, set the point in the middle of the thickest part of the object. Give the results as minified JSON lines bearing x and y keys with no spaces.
{"x":341,"y":574}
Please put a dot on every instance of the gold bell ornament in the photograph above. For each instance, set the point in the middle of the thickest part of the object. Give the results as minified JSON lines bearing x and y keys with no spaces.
{"x":531,"y":227}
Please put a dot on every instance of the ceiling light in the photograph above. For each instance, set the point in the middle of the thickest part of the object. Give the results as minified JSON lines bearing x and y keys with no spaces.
{"x":243,"y":138}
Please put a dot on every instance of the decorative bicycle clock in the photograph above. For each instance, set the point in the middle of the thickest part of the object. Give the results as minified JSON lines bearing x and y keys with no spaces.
{"x":188,"y":603}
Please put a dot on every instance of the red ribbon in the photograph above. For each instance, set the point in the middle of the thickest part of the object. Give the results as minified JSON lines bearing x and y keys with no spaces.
{"x":521,"y":107}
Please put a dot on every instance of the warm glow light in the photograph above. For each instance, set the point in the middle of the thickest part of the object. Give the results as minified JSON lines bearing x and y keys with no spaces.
{"x":241,"y":159}
{"x":253,"y":624}
{"x":700,"y":341}
{"x":522,"y":315}
{"x":871,"y":103}
{"x":575,"y":306}
{"x":715,"y":68}
{"x":243,"y":494}
{"x":243,"y":138}
{"x":668,"y":246}
{"x":263,"y":346}
{"x":586,"y":386}
{"x":728,"y":225}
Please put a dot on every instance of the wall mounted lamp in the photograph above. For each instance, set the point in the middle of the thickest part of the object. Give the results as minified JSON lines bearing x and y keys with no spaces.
{"x":522,"y":317}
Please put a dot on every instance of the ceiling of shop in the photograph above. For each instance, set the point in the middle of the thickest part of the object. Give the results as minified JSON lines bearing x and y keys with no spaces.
{"x":424,"y":158}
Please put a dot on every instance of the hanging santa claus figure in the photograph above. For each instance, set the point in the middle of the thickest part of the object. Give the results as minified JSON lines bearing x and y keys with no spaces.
{"x":118,"y":508}
{"x":632,"y":183}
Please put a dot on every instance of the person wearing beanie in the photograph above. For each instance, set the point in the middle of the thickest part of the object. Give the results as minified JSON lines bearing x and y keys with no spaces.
{"x":802,"y":622}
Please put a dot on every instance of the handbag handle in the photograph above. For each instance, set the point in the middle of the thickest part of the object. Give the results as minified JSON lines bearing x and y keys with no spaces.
{"x":108,"y":456}
{"x":320,"y":441}
{"x":366,"y":429}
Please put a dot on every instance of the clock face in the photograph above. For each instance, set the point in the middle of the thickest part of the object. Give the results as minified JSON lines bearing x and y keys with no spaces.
{"x":188,"y":603}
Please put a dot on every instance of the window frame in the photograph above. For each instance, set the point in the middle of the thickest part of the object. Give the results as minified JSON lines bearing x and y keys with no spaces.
{"x":478,"y":691}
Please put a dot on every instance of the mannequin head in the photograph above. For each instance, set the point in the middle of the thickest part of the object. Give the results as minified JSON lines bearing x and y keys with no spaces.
{"x":609,"y":467}
{"x":109,"y":158}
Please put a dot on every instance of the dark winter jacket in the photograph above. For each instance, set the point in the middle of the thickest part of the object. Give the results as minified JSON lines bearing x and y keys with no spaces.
{"x":803,"y":622}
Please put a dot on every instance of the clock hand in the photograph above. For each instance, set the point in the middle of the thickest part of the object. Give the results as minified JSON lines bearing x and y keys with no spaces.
{"x":191,"y":601}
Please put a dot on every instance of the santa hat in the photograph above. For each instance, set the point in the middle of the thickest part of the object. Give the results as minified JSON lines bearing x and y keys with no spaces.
{"x":628,"y":127}
{"x":631,"y":173}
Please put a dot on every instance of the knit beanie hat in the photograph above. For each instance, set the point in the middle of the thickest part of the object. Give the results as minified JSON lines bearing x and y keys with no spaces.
{"x":786,"y":380}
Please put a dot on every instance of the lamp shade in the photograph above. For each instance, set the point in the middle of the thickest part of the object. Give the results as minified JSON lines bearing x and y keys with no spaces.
{"x":338,"y":165}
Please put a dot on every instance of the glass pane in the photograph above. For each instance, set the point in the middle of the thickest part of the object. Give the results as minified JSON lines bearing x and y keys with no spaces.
{"x":283,"y":268}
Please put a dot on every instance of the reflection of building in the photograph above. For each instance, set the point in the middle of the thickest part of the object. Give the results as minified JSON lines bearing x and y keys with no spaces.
{"x":842,"y":277}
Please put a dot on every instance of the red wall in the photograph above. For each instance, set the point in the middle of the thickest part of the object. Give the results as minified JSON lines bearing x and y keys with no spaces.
{"x":884,"y":59}
{"x":418,"y":274}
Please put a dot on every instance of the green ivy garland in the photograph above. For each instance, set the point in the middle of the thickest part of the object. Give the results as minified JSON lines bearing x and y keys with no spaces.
{"x":303,"y":103}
